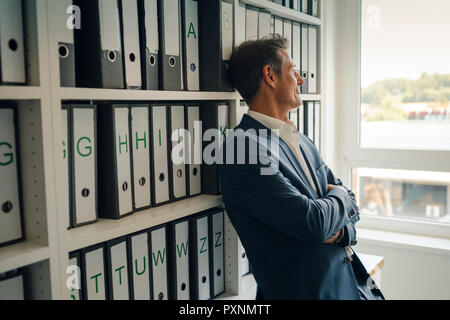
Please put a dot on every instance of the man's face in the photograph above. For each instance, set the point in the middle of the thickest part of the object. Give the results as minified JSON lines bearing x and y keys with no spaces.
{"x":287,"y":91}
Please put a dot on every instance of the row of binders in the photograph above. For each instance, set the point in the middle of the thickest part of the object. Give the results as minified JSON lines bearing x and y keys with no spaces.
{"x":310,"y":7}
{"x":12,"y":285}
{"x":307,"y":120}
{"x":145,"y":44}
{"x":180,"y":260}
{"x":136,"y":156}
{"x":303,"y":40}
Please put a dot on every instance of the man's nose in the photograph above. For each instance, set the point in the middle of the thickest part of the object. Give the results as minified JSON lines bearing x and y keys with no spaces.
{"x":300,"y":80}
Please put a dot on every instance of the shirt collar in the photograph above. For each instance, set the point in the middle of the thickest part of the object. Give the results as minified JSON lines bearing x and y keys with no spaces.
{"x":269,"y":122}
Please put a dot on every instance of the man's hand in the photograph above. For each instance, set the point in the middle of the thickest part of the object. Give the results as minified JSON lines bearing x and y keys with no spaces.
{"x":331,"y":187}
{"x":336,"y":236}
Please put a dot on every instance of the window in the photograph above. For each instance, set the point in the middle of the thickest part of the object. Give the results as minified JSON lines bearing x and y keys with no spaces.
{"x":393,"y":116}
{"x":405,"y":74}
{"x":418,"y":195}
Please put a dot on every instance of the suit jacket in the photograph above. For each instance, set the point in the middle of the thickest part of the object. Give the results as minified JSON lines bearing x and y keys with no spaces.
{"x":282,"y":223}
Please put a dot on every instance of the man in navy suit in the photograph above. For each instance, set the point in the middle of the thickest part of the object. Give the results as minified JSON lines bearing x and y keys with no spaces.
{"x":294,"y":218}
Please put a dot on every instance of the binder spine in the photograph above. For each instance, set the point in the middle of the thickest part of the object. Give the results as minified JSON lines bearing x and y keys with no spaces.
{"x":216,"y":76}
{"x":9,"y":205}
{"x":210,"y":173}
{"x":98,"y":67}
{"x":74,"y":192}
{"x":191,"y":167}
{"x":216,"y":251}
{"x":170,"y":73}
{"x":99,"y":277}
{"x":108,"y":184}
{"x":150,"y":59}
{"x":172,"y":265}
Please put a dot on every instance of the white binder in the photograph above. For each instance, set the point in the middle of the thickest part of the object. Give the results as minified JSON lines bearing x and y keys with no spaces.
{"x":278,"y":26}
{"x":131,"y":45}
{"x":11,"y":288}
{"x":240,"y":23}
{"x":312,"y":60}
{"x":160,"y":160}
{"x":123,"y":167}
{"x":304,"y":58}
{"x":194,"y":149}
{"x":182,"y":260}
{"x":12,"y":56}
{"x":65,"y":157}
{"x":287,"y":33}
{"x":65,"y":38}
{"x":159,"y":264}
{"x":140,"y":140}
{"x":10,"y":207}
{"x":301,"y":118}
{"x":251,"y":23}
{"x":170,"y":44}
{"x":309,"y":119}
{"x":74,"y":261}
{"x":191,"y":45}
{"x":118,"y":269}
{"x":94,"y":277}
{"x":317,"y":124}
{"x":305,"y":7}
{"x":295,"y":5}
{"x":178,"y":151}
{"x":202,"y":258}
{"x":293,"y":116}
{"x":222,"y":121}
{"x":245,"y":265}
{"x":264,"y":23}
{"x":151,"y":53}
{"x":217,"y":244}
{"x":227,"y":30}
{"x":140,"y":266}
{"x":296,"y":47}
{"x":84,"y":165}
{"x":315,"y":8}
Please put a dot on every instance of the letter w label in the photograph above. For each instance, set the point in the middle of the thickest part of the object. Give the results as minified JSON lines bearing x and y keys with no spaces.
{"x":159,"y":256}
{"x":183,"y":249}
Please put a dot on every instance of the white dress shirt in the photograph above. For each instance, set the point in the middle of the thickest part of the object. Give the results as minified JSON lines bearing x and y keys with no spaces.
{"x":290,"y":135}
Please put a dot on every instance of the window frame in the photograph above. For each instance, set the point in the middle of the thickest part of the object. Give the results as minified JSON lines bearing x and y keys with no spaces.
{"x":349,"y":153}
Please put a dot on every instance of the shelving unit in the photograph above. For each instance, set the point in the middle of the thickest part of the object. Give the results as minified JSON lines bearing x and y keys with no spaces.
{"x":44,"y":253}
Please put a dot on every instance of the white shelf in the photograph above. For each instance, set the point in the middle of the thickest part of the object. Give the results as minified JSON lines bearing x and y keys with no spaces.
{"x":304,"y":97}
{"x":141,"y":95}
{"x":284,"y":12}
{"x":107,"y":229}
{"x":22,"y":254}
{"x":19,"y":92}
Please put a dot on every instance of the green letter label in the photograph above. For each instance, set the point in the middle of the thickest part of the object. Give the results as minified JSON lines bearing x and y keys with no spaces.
{"x":218,"y":234}
{"x":191,"y":30}
{"x":159,"y":255}
{"x":144,"y":139}
{"x":123,"y":143}
{"x":203,"y":250}
{"x":88,"y":148}
{"x":136,"y":267}
{"x":96,"y":281}
{"x":7,"y":155}
{"x":183,"y":249}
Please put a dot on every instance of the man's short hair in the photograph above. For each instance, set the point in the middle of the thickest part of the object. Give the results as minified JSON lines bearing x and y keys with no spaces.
{"x":249,"y":59}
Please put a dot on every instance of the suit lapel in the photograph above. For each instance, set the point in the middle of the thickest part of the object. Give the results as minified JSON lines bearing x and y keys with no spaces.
{"x":307,"y":156}
{"x":248,"y":122}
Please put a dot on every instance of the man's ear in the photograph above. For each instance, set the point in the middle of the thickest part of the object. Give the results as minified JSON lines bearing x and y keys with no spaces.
{"x":269,"y":76}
